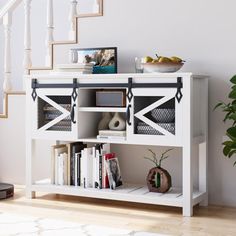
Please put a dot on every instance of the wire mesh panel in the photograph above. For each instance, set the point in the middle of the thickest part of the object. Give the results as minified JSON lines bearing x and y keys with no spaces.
{"x":162,"y":115}
{"x":47,"y":113}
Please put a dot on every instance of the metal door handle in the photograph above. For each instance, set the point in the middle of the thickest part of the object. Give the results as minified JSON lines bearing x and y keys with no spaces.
{"x":72,"y":114}
{"x":128,"y":114}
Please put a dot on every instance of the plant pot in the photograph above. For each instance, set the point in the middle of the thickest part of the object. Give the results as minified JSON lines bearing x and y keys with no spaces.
{"x":158,"y":180}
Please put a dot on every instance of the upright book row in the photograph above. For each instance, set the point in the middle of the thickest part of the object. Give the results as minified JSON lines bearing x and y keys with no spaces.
{"x":89,"y":167}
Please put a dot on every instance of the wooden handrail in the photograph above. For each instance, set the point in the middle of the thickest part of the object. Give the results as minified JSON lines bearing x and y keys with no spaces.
{"x":10,"y":6}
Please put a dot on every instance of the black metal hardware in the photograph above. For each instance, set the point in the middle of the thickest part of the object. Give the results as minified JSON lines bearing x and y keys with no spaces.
{"x":129,"y":93}
{"x":128,"y":115}
{"x":33,"y":85}
{"x":72,"y":114}
{"x":130,"y":85}
{"x":74,"y":93}
{"x":179,"y":94}
{"x":111,"y":85}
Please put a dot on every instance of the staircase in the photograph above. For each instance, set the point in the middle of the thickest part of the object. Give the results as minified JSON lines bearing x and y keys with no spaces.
{"x":12,"y":119}
{"x":6,"y":19}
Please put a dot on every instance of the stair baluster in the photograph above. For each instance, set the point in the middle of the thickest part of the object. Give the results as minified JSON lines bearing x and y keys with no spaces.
{"x":27,"y":63}
{"x":7,"y":22}
{"x":50,"y":29}
{"x":72,"y":18}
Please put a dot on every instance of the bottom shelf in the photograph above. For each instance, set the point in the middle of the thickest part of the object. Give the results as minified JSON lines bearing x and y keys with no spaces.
{"x":127,"y":192}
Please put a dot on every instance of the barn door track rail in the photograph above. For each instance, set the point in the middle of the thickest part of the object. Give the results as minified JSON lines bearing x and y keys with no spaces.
{"x":130,"y":85}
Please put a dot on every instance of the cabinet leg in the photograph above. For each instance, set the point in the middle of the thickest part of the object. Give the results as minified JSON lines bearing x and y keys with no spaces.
{"x":203,"y":172}
{"x":187,"y":211}
{"x":187,"y":181}
{"x":30,"y":194}
{"x":187,"y":151}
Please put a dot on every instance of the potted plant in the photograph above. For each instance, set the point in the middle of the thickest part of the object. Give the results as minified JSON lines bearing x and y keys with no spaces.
{"x":230,"y":115}
{"x":158,"y":179}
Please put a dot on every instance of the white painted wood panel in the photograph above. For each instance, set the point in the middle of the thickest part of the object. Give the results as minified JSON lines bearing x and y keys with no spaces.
{"x":127,"y":192}
{"x":88,"y":116}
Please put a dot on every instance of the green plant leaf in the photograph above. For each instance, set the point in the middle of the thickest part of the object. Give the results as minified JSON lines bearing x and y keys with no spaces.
{"x":156,"y":164}
{"x":234,"y":163}
{"x":232,"y":132}
{"x":226,"y":150}
{"x":227,"y":116}
{"x":233,"y":79}
{"x":218,"y":105}
{"x":227,"y":143}
{"x":232,"y":94}
{"x":232,"y":116}
{"x":231,"y":153}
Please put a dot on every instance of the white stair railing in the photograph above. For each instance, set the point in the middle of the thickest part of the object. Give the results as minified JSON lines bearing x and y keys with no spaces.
{"x":7,"y":22}
{"x":50,"y":31}
{"x":27,"y":62}
{"x":72,"y":18}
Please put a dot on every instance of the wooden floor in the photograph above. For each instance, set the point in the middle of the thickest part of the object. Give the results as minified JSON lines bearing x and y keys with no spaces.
{"x":212,"y":220}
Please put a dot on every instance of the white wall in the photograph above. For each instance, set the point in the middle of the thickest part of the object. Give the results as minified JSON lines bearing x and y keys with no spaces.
{"x":202,"y":32}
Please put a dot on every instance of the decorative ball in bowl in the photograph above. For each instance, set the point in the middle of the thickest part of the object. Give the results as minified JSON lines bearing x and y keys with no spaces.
{"x":163,"y":115}
{"x":163,"y":67}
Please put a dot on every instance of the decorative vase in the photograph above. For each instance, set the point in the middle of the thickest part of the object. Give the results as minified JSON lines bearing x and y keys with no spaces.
{"x":73,"y":56}
{"x":104,"y":122}
{"x":158,"y":180}
{"x":117,"y":122}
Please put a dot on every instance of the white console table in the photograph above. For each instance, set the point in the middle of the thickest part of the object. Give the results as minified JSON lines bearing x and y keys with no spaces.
{"x":185,"y":92}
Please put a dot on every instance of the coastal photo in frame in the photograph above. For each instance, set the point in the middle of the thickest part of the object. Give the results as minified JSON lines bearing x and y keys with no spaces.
{"x":104,"y":59}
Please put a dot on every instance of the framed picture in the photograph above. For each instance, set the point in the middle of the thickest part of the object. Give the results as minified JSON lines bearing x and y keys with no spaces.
{"x":113,"y":171}
{"x":104,"y":59}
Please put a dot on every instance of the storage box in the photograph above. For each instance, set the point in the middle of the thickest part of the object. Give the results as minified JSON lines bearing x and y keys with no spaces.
{"x":111,"y":98}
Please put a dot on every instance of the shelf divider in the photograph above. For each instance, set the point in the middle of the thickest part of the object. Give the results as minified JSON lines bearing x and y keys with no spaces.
{"x":102,"y":109}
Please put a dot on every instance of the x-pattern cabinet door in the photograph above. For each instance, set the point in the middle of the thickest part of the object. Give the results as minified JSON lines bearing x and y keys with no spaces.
{"x":155,"y":117}
{"x":54,"y":114}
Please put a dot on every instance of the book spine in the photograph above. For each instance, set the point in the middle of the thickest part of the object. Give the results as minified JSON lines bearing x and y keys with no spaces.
{"x":65,"y":176}
{"x":60,"y":169}
{"x":89,"y":168}
{"x":100,"y":171}
{"x":96,"y":168}
{"x":72,"y":167}
{"x":52,"y":166}
{"x":82,"y":162}
{"x":56,"y":166}
{"x":76,"y":169}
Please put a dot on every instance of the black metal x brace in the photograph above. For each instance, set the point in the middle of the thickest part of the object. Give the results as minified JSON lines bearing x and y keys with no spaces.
{"x":34,"y":86}
{"x":74,"y":93}
{"x":179,"y":94}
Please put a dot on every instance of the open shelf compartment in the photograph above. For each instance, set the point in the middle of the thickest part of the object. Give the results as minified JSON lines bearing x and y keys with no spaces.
{"x":127,"y":192}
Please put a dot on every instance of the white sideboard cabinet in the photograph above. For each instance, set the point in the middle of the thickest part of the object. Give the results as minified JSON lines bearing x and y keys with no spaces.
{"x":75,"y":117}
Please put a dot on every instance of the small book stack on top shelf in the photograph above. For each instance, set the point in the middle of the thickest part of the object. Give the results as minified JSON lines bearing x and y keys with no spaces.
{"x":81,"y":68}
{"x":111,"y":134}
{"x":89,"y":167}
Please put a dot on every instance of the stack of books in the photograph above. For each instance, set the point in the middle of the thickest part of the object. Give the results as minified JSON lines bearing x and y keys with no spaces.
{"x":111,"y":134}
{"x":89,"y":167}
{"x":81,"y":68}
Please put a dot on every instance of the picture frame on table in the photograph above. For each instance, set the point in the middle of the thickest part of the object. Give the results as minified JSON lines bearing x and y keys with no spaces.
{"x":103,"y":58}
{"x":114,"y":174}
